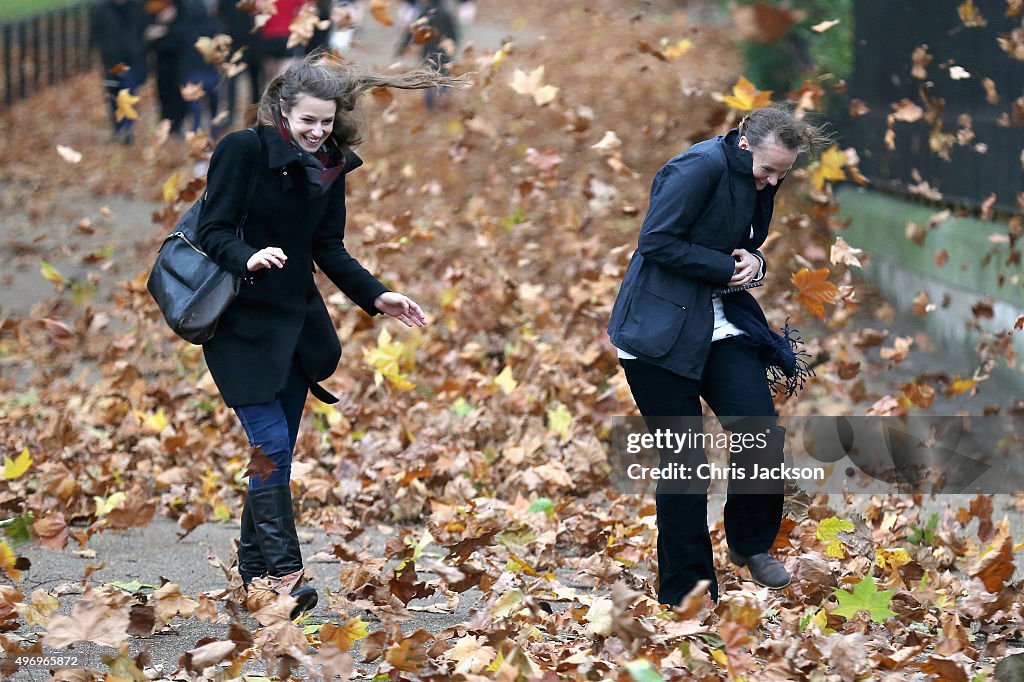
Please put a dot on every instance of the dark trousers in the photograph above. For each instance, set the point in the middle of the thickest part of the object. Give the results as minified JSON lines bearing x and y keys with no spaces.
{"x":274,"y":427}
{"x":736,"y":389}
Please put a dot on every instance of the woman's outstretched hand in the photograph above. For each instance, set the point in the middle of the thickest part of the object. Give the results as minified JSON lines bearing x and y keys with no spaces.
{"x":401,"y":307}
{"x":747,"y":267}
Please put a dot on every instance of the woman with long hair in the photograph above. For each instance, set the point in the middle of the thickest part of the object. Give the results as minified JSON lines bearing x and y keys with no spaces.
{"x":276,"y":341}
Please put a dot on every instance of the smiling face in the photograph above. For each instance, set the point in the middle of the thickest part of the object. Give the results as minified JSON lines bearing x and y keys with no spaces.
{"x":771,"y":161}
{"x":311,"y":120}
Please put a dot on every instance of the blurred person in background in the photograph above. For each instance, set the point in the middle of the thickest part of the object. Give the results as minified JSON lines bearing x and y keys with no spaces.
{"x":197,"y":22}
{"x":162,"y":34}
{"x":238,"y":23}
{"x":275,"y":55}
{"x":117,"y":28}
{"x":433,"y":27}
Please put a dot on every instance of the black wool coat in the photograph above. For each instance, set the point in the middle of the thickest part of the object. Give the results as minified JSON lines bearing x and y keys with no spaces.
{"x":279,"y":314}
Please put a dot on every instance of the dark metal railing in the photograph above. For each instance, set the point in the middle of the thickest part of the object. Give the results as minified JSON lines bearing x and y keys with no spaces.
{"x":43,"y":50}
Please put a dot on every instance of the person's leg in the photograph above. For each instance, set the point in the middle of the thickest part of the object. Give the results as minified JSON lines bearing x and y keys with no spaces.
{"x":736,"y":388}
{"x":684,"y":545}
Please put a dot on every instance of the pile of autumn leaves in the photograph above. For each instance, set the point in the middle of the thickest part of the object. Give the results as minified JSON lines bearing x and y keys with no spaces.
{"x":511,"y":217}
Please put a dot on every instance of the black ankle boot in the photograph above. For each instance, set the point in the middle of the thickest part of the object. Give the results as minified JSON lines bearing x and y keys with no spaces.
{"x":251,"y":563}
{"x":274,"y":522}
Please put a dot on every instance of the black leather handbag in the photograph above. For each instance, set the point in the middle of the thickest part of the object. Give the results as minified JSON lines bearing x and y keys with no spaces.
{"x":191,"y":290}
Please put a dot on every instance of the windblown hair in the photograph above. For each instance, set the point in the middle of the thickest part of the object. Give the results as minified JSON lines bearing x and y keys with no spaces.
{"x":778,"y":123}
{"x":323,"y":76}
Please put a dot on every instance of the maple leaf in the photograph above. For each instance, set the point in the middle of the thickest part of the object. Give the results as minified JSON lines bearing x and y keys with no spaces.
{"x":533,"y":84}
{"x":40,"y":608}
{"x":891,"y":558}
{"x":122,"y":667}
{"x":746,"y":97}
{"x":559,"y":421}
{"x":505,"y":381}
{"x":379,"y":10}
{"x":829,"y":168}
{"x":387,"y":361}
{"x":410,"y":654}
{"x":335,"y":662}
{"x":304,"y":25}
{"x":69,"y":154}
{"x":842,"y":252}
{"x":105,"y":505}
{"x":471,"y":654}
{"x":170,"y":188}
{"x":90,"y":621}
{"x":920,"y":395}
{"x":170,"y":603}
{"x":864,"y":597}
{"x":16,"y":468}
{"x":126,"y":102}
{"x":215,"y":50}
{"x":198,"y":659}
{"x":995,"y":564}
{"x":827,"y":530}
{"x":814,"y":290}
{"x":344,"y":636}
{"x":51,"y":531}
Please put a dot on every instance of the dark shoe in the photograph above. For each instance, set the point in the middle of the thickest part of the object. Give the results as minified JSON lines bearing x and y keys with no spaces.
{"x":764,"y":569}
{"x":274,"y":520}
{"x":251,"y":563}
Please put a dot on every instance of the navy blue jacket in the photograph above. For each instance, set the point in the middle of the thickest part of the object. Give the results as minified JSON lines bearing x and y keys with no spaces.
{"x":703,"y":205}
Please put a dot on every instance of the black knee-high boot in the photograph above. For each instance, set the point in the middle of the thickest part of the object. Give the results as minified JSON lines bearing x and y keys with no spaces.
{"x":274,"y":521}
{"x":251,"y":563}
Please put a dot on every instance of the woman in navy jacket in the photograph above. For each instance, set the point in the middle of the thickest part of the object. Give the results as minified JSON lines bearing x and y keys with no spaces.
{"x":680,"y":339}
{"x":277,"y":341}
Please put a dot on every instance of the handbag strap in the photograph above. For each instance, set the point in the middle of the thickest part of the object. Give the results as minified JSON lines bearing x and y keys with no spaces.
{"x":252,"y":182}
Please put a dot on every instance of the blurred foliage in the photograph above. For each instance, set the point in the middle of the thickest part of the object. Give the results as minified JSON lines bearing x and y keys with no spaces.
{"x":801,"y":53}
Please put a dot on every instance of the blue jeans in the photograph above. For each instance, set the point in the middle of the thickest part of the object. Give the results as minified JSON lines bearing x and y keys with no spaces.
{"x":274,"y":427}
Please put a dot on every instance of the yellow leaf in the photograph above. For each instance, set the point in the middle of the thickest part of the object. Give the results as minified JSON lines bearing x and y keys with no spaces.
{"x":827,"y":530}
{"x":344,"y":636}
{"x":746,"y":97}
{"x":720,"y":658}
{"x":506,"y":381}
{"x":221,"y":512}
{"x":51,"y":273}
{"x":16,"y":468}
{"x":828,"y":168}
{"x":170,"y":188}
{"x":9,"y":562}
{"x":106,"y":505}
{"x":679,"y":49}
{"x":388,"y":359}
{"x":958,"y":386}
{"x":155,"y":421}
{"x":126,"y":102}
{"x":892,"y":558}
{"x":559,"y":421}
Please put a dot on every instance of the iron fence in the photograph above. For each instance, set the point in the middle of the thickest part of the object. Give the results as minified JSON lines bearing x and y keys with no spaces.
{"x":43,"y":50}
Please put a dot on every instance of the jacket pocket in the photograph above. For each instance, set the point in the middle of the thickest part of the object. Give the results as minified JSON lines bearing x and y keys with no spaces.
{"x":652,"y":322}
